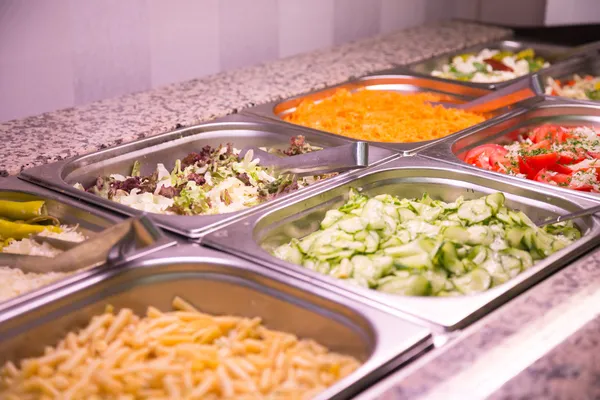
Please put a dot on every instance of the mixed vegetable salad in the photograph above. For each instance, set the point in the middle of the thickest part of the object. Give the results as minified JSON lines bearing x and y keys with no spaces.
{"x":211,"y":181}
{"x":562,"y":156}
{"x":491,"y":66}
{"x":426,"y":247}
{"x":579,"y":88}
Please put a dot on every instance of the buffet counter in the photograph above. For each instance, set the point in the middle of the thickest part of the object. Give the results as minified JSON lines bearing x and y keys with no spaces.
{"x":532,"y":336}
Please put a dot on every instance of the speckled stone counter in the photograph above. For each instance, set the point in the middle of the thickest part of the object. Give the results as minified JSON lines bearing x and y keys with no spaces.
{"x":542,"y":345}
{"x":66,"y":133}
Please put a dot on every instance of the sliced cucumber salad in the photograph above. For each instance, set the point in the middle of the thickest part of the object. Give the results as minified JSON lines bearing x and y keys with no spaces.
{"x":426,"y":247}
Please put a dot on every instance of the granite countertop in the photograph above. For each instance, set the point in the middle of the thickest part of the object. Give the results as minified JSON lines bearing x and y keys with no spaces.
{"x":545,"y":344}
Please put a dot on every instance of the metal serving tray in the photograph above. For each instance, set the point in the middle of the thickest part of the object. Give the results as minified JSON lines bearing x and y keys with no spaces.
{"x":407,"y":177}
{"x":221,"y":284}
{"x":89,"y":219}
{"x":392,"y":82}
{"x":506,"y":129}
{"x":166,"y":148}
{"x":584,"y":65}
{"x":551,"y":53}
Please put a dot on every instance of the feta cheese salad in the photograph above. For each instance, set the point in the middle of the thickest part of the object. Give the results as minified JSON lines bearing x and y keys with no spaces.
{"x":490,"y":66}
{"x":213,"y":180}
{"x":562,"y":156}
{"x":426,"y":247}
{"x":578,"y":88}
{"x":18,"y":222}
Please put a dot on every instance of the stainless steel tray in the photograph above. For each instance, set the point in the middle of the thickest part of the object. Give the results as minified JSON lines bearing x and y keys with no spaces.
{"x":166,"y":148}
{"x":565,"y":70}
{"x":221,"y":284}
{"x":552,"y":53}
{"x":391,"y":82}
{"x":550,"y":110}
{"x":407,"y":177}
{"x":89,"y":219}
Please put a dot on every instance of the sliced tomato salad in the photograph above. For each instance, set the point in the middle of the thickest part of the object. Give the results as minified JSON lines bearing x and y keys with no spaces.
{"x":552,"y":154}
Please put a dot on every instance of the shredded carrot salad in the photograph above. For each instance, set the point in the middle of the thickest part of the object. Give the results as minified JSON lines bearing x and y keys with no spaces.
{"x":383,"y":116}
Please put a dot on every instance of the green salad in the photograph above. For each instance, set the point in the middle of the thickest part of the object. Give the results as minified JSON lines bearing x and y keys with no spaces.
{"x":426,"y":247}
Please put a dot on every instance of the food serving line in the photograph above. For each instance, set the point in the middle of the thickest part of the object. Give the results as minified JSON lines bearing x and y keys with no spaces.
{"x":204,"y":257}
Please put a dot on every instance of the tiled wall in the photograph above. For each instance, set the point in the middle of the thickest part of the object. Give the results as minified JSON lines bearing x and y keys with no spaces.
{"x":60,"y":53}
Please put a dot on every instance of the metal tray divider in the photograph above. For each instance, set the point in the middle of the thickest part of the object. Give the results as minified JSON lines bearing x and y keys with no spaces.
{"x":51,"y":175}
{"x":395,"y":343}
{"x":454,"y":313}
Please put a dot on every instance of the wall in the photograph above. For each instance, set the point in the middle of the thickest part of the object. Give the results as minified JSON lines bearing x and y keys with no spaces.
{"x":60,"y":53}
{"x":562,"y":12}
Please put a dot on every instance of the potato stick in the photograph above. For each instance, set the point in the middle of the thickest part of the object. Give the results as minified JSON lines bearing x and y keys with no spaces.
{"x":224,"y":382}
{"x":182,"y":305}
{"x":171,"y":388}
{"x":118,"y":324}
{"x":73,"y":361}
{"x":95,"y":325}
{"x":54,"y":358}
{"x":201,"y":390}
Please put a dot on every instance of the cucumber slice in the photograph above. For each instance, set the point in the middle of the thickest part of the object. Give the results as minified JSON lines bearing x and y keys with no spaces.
{"x":514,"y":236}
{"x":478,"y":254}
{"x":306,"y":242}
{"x":405,"y":250}
{"x":371,"y":242}
{"x":496,"y":271}
{"x":510,"y":264}
{"x":542,"y":241}
{"x":523,"y":256}
{"x":366,"y":268}
{"x":323,"y":267}
{"x":416,"y":261}
{"x":383,"y":263}
{"x":343,"y":270}
{"x":394,"y":241}
{"x":479,"y":234}
{"x":438,"y":280}
{"x":405,"y":214}
{"x":447,"y":258}
{"x":413,"y":285}
{"x":334,"y":255}
{"x":476,"y":281}
{"x":391,"y":211}
{"x":474,"y":211}
{"x":289,"y":253}
{"x":353,"y":224}
{"x":350,"y":245}
{"x":331,"y":217}
{"x":456,"y":234}
{"x":373,"y":213}
{"x":495,"y":201}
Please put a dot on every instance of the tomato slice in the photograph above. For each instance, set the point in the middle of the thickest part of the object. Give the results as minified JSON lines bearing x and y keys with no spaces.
{"x":526,"y":169}
{"x":593,"y":154}
{"x":545,"y":176}
{"x":560,"y":136}
{"x":544,"y":132}
{"x":486,"y":155}
{"x":562,"y":169}
{"x":544,"y":144}
{"x":582,"y":188}
{"x":541,"y":161}
{"x":570,"y":157}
